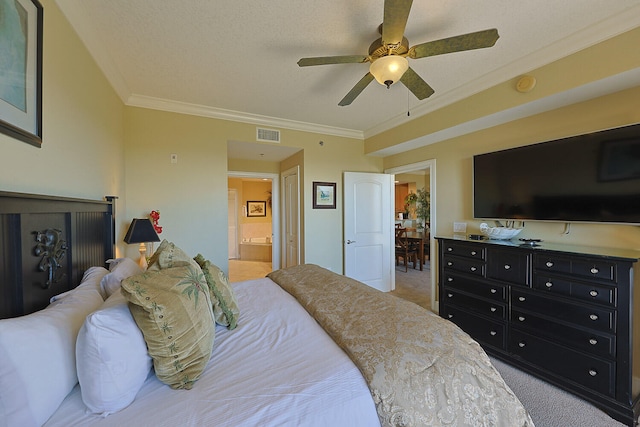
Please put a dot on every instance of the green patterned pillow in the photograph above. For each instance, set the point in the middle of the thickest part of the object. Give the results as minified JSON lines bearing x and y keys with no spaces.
{"x":172,"y":308}
{"x":225,"y":305}
{"x":168,"y":255}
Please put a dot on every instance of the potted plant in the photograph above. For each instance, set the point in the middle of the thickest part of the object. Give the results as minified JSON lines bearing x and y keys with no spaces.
{"x":423,"y":208}
{"x":409,"y":203}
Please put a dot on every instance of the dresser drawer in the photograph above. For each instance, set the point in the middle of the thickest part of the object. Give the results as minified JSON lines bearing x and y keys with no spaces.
{"x":593,"y":342}
{"x":593,"y":268}
{"x":508,"y":265}
{"x":596,"y":293}
{"x":483,"y":330}
{"x":470,"y":266}
{"x":589,"y":371}
{"x":477,"y":305}
{"x":584,"y":315}
{"x":466,"y":250}
{"x":490,"y":291}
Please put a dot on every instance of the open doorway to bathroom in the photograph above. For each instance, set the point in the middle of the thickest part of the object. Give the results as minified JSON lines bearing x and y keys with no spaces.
{"x":252,"y":224}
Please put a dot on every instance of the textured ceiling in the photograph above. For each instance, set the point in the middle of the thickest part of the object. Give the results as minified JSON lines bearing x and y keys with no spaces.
{"x":237,"y":59}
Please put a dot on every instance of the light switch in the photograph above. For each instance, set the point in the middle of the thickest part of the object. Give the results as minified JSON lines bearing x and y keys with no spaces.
{"x":459,"y":227}
{"x":174,"y":158}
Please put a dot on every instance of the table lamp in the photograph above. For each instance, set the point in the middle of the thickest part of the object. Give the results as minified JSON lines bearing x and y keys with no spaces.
{"x":141,"y":231}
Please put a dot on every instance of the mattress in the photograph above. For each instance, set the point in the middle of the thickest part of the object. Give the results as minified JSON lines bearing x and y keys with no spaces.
{"x":278,"y":367}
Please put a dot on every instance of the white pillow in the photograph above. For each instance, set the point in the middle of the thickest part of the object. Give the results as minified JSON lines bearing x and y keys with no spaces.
{"x":119,"y":269}
{"x":92,"y":278}
{"x":111,"y":357}
{"x":38,"y":356}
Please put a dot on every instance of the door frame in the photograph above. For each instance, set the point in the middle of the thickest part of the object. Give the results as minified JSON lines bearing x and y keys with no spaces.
{"x":431,"y":165}
{"x":275,"y":209}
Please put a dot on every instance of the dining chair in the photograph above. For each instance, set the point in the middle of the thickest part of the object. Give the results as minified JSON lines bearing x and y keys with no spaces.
{"x":404,"y":249}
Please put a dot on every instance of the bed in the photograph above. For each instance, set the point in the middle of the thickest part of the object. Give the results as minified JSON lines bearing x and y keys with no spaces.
{"x":303,"y":346}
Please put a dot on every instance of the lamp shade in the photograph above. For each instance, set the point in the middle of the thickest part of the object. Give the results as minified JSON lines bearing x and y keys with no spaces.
{"x":141,"y":231}
{"x":389,"y":69}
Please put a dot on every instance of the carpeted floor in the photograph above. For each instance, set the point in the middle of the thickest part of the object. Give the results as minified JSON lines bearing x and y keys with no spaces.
{"x":414,"y":285}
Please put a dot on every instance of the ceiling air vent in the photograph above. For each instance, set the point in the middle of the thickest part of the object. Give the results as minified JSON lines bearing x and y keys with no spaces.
{"x":267,"y":135}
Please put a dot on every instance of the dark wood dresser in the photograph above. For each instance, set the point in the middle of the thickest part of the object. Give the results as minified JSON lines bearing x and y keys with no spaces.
{"x":562,"y":313}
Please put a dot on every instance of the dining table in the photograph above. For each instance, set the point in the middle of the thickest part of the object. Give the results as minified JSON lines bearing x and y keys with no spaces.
{"x":419,"y":238}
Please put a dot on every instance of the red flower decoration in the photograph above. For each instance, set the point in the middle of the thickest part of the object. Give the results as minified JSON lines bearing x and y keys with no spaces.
{"x":155,"y":217}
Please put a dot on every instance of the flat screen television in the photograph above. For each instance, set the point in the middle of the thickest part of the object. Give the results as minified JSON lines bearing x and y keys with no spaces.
{"x":591,"y":178}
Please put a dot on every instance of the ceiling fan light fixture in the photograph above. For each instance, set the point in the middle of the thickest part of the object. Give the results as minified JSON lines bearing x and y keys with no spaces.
{"x":389,"y":69}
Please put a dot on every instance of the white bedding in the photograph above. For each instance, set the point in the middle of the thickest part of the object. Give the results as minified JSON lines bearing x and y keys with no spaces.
{"x":278,"y":367}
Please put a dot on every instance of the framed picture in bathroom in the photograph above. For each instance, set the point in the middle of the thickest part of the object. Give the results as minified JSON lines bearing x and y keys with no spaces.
{"x":256,"y":208}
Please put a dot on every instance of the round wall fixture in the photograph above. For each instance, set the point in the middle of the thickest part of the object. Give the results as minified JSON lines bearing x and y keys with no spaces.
{"x":525,"y":84}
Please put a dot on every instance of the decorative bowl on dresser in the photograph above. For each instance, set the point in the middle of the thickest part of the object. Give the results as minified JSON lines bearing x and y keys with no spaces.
{"x":563,"y":313}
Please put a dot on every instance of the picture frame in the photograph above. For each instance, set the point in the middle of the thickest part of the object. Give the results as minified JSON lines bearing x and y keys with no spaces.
{"x":324,"y":195}
{"x":21,"y":98}
{"x":256,"y":208}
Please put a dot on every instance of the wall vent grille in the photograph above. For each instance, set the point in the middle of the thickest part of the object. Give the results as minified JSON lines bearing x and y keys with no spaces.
{"x":267,"y":135}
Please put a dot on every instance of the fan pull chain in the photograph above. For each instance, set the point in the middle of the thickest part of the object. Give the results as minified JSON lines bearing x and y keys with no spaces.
{"x":408,"y":109}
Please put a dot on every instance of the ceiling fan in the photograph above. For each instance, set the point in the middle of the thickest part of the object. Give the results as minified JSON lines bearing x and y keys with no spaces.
{"x":388,"y":54}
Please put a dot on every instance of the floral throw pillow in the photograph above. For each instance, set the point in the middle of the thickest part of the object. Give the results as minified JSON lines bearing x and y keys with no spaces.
{"x":173,"y":310}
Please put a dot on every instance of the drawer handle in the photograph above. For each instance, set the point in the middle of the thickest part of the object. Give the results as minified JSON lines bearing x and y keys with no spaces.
{"x":449,"y":264}
{"x":449,"y":249}
{"x":549,"y":264}
{"x":593,"y":372}
{"x":593,"y":293}
{"x":521,"y":344}
{"x":522,"y":299}
{"x":594,"y":270}
{"x":507,"y":267}
{"x":521,"y":318}
{"x":493,"y":333}
{"x":473,"y":253}
{"x":493,"y":290}
{"x":593,"y":317}
{"x":450,"y":316}
{"x":549,"y":285}
{"x":449,"y":279}
{"x":450,"y":295}
{"x":593,"y":341}
{"x":473,"y":269}
{"x":493,"y":309}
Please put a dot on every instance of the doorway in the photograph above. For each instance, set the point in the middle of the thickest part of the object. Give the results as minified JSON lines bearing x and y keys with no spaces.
{"x":427,"y":171}
{"x":254,"y":224}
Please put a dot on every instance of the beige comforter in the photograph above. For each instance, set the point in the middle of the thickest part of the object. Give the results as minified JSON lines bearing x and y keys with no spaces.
{"x":422,"y":370}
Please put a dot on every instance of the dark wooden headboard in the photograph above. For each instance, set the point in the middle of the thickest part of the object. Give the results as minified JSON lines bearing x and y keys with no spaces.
{"x":46,"y":245}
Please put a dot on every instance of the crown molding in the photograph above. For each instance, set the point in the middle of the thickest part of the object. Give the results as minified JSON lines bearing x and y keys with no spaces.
{"x":238,"y":116}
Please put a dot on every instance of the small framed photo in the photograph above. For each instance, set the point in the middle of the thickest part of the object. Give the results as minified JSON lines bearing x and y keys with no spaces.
{"x":256,"y":208}
{"x":324,"y":195}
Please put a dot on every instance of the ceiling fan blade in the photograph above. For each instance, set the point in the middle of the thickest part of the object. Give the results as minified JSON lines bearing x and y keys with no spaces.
{"x":416,"y":85}
{"x":396,"y":13}
{"x":355,"y":91}
{"x":477,"y":40}
{"x":325,"y":60}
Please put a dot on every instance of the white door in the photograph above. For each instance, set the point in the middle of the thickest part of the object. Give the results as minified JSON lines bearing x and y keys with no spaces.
{"x":291,"y":218}
{"x":368,"y":229}
{"x":233,"y":223}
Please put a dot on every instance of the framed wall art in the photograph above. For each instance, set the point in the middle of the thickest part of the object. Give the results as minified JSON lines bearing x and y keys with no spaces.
{"x":21,"y":70}
{"x":255,"y":208}
{"x":324,"y":195}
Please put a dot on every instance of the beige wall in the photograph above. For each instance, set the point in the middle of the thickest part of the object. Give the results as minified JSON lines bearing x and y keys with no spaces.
{"x":93,"y":146}
{"x":82,"y":152}
{"x":192,"y":194}
{"x":454,"y":166}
